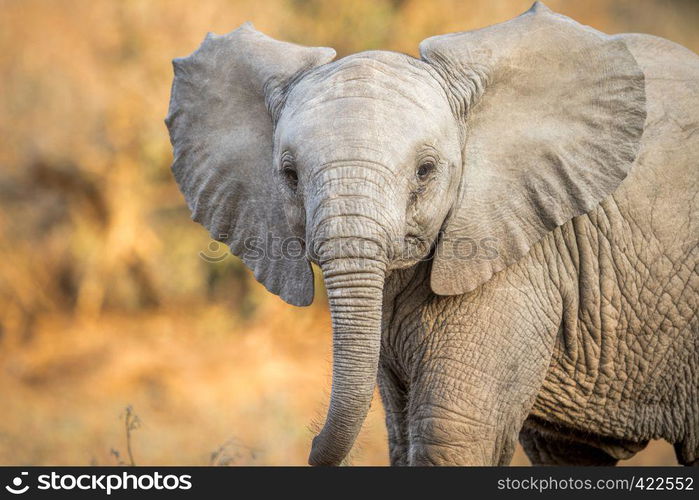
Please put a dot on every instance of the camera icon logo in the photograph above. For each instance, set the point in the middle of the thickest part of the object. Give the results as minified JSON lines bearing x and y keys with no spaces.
{"x":215,"y":252}
{"x":16,"y":488}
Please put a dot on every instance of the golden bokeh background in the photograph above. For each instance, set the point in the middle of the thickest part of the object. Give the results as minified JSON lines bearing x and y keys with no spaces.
{"x":105,"y":301}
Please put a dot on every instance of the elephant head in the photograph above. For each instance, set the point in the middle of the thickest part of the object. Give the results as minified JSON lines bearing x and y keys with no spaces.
{"x":378,"y":160}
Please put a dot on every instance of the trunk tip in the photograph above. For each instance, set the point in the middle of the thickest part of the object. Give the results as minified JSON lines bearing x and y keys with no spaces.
{"x":318,"y":457}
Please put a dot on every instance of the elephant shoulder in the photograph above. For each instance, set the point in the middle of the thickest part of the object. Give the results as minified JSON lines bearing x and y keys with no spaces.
{"x":660,"y":192}
{"x":672,"y":88}
{"x":659,"y":57}
{"x":671,"y":72}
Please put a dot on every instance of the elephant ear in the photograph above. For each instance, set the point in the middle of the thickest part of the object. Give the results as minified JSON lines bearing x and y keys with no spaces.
{"x":221,"y":127}
{"x":553,"y":112}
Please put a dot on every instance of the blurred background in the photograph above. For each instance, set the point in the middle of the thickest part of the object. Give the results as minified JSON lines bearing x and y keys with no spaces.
{"x":119,"y":343}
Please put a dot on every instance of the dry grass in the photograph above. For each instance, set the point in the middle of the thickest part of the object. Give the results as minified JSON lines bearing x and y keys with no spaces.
{"x":208,"y":389}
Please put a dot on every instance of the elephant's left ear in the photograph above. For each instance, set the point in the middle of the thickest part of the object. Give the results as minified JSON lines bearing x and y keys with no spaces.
{"x":553,"y":113}
{"x":224,"y":101}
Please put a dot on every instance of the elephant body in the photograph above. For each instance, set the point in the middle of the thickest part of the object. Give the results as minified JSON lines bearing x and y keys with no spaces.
{"x":506,"y":229}
{"x":590,"y":343}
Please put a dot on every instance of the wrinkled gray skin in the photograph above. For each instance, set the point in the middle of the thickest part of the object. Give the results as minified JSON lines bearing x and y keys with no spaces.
{"x":567,"y":158}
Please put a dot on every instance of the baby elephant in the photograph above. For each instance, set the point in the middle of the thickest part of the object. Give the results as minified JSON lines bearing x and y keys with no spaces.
{"x":506,"y":228}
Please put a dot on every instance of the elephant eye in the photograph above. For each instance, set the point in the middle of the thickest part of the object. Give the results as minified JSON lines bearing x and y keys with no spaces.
{"x":291,"y":176}
{"x":425,"y":169}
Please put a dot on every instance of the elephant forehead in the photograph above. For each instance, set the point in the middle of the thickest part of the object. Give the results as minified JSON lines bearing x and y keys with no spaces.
{"x":391,"y":81}
{"x":370,"y":130}
{"x":375,"y":99}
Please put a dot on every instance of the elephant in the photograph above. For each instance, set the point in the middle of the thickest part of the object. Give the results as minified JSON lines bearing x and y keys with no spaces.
{"x":506,"y":229}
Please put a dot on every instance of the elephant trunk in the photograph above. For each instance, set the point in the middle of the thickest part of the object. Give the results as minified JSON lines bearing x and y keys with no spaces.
{"x":355,"y":291}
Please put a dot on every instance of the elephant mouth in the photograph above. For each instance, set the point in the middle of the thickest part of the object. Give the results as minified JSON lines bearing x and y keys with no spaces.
{"x":413,"y":239}
{"x":411,"y":249}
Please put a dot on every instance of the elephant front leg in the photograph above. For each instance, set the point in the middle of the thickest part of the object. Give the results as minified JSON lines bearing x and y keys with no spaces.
{"x":448,"y":425}
{"x":476,"y":383}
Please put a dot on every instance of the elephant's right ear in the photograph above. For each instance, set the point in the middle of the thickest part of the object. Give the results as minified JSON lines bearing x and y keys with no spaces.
{"x":221,"y":128}
{"x":552,"y":114}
